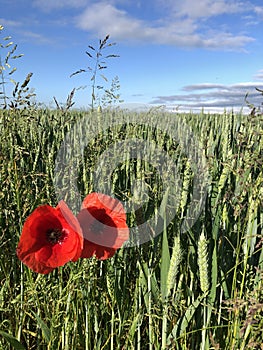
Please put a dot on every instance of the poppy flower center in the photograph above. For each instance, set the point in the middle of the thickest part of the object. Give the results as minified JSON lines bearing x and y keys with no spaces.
{"x":54,"y":235}
{"x":97,"y":227}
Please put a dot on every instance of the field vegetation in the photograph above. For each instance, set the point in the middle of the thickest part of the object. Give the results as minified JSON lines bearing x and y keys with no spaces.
{"x":197,"y":288}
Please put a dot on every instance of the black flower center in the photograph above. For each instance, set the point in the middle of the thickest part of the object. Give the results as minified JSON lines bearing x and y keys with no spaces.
{"x":97,"y":227}
{"x":54,"y":235}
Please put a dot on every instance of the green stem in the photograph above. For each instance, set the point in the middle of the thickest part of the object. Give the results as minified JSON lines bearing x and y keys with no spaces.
{"x":151,"y":333}
{"x":164,"y":324}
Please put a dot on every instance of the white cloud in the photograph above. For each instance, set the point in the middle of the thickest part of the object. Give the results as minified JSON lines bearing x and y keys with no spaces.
{"x":180,"y":23}
{"x":103,"y":18}
{"x":49,"y":5}
{"x":38,"y":39}
{"x":26,"y":35}
{"x":202,"y":86}
{"x":259,"y":75}
{"x":259,"y":11}
{"x":206,"y":8}
{"x":214,"y":96}
{"x":10,"y":23}
{"x":225,"y":40}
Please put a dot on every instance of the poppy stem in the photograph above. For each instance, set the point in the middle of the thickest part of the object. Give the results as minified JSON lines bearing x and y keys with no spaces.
{"x":19,"y":332}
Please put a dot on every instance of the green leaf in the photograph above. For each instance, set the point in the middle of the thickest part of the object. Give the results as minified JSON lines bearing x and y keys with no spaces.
{"x":45,"y":330}
{"x":154,"y":285}
{"x":134,"y":325}
{"x":165,"y":264}
{"x":180,"y":327}
{"x":214,"y":271}
{"x":165,"y":259}
{"x":12,"y":341}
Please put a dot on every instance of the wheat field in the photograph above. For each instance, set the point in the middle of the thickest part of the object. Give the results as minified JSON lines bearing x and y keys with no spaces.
{"x":194,"y":288}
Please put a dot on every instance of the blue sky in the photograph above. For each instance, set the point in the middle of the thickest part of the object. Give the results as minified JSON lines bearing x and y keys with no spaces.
{"x":182,"y":54}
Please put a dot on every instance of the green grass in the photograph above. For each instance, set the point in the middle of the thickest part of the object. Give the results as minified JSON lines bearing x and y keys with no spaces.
{"x":194,"y":289}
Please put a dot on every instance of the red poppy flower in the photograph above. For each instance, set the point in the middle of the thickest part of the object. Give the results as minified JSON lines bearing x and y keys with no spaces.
{"x":51,"y":237}
{"x":103,"y":222}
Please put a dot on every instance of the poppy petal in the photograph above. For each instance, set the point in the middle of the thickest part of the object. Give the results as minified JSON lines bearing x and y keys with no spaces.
{"x":96,"y":231}
{"x":102,"y":253}
{"x":35,"y":248}
{"x":103,"y":222}
{"x":114,"y":217}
